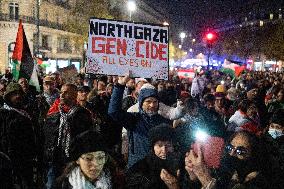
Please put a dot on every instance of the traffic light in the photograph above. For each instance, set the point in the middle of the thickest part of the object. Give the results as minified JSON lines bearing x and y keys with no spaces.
{"x":210,"y":37}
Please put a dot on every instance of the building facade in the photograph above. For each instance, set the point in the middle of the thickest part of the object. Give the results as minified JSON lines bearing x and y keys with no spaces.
{"x":55,"y":45}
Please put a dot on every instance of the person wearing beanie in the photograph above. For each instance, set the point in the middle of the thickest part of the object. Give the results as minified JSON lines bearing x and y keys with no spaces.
{"x":167,"y":112}
{"x":219,"y":98}
{"x":90,"y":165}
{"x":17,"y":135}
{"x":159,"y":169}
{"x":221,"y":89}
{"x":138,"y":123}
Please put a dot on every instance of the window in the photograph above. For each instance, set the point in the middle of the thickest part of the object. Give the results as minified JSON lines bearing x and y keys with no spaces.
{"x":14,"y":11}
{"x":64,"y":45}
{"x":46,"y":42}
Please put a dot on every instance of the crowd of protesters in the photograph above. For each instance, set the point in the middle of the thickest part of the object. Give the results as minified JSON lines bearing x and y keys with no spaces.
{"x":122,"y":132}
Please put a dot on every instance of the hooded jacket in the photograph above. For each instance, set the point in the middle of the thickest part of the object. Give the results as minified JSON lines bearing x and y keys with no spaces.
{"x":137,"y":124}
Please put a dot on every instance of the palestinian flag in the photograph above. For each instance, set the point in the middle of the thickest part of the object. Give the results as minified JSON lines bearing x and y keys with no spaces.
{"x":23,"y":63}
{"x":234,"y":70}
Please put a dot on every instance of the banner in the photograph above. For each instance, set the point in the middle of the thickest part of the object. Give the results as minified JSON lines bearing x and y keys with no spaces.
{"x":116,"y":47}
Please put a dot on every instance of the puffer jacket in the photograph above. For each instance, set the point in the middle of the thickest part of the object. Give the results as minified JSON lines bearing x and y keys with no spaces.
{"x":137,"y":124}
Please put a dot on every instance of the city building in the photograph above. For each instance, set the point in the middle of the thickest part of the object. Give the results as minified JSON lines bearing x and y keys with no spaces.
{"x":56,"y":45}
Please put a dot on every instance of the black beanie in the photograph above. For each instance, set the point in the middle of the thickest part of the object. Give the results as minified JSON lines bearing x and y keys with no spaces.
{"x":88,"y":141}
{"x":162,"y":132}
{"x":278,"y":117}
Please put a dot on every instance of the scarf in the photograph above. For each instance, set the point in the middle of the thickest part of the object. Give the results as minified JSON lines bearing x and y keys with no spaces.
{"x":22,"y":112}
{"x":78,"y":180}
{"x":64,"y":129}
{"x":56,"y":106}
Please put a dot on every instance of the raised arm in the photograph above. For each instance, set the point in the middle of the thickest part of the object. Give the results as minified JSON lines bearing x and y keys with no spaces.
{"x":128,"y":120}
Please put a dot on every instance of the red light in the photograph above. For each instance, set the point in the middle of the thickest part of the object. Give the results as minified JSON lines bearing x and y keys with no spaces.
{"x":209,"y":36}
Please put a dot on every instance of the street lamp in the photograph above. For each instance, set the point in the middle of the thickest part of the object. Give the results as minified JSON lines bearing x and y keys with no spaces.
{"x":166,"y":23}
{"x":131,"y":6}
{"x":182,"y":35}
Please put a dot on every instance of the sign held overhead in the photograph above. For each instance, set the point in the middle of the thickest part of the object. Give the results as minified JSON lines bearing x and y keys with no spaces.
{"x":116,"y":47}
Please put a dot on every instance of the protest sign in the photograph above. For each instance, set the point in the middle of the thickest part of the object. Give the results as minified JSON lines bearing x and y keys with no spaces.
{"x":116,"y":47}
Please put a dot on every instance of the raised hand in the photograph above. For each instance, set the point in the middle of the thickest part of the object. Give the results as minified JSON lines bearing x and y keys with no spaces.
{"x":195,"y":164}
{"x":123,"y":80}
{"x":170,"y":180}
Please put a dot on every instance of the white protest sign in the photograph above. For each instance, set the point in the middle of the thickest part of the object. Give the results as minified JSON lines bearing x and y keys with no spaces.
{"x":116,"y":47}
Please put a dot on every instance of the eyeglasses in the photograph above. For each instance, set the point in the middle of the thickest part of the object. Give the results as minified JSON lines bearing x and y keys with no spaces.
{"x":239,"y":150}
{"x":98,"y":159}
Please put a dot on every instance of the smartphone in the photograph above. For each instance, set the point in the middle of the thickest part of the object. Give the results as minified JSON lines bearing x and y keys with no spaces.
{"x":212,"y":150}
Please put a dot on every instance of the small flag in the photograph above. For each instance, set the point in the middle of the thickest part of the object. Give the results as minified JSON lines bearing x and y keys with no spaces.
{"x":23,"y":63}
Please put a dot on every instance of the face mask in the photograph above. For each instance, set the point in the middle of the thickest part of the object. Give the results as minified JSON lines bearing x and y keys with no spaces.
{"x":243,"y":167}
{"x":275,"y":133}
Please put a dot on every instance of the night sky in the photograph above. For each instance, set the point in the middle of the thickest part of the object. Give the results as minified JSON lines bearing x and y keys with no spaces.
{"x":195,"y":16}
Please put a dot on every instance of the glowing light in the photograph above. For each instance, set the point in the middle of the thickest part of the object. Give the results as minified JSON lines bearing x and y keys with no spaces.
{"x":166,"y":23}
{"x":201,"y":135}
{"x":182,"y":35}
{"x":209,"y":36}
{"x":131,"y":6}
{"x":222,"y":82}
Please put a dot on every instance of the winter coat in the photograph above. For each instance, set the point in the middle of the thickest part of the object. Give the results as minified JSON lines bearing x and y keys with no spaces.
{"x":274,"y":106}
{"x":137,"y":124}
{"x":127,"y":102}
{"x":254,"y":180}
{"x":79,"y":121}
{"x":107,"y":126}
{"x":276,"y":150}
{"x":145,"y":174}
{"x":17,"y":140}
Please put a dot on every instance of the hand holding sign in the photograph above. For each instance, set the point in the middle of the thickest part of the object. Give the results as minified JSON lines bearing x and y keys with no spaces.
{"x":123,"y":80}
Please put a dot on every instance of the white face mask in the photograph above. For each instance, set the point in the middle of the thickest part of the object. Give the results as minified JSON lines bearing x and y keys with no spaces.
{"x":275,"y":133}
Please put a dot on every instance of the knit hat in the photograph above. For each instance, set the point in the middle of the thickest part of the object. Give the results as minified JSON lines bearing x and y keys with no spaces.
{"x":11,"y":87}
{"x":278,"y":117}
{"x":147,"y":90}
{"x":221,"y":89}
{"x":88,"y":141}
{"x":162,"y":132}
